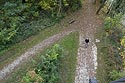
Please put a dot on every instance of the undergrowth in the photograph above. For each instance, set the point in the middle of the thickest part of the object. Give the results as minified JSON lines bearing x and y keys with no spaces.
{"x":46,"y":71}
{"x":111,"y":51}
{"x":53,"y":65}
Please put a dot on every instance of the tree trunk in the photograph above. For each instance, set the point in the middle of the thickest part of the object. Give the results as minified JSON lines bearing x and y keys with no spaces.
{"x":60,"y":8}
{"x":101,"y":6}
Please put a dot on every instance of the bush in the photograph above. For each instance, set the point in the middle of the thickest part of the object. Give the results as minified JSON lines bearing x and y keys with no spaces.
{"x":11,"y":19}
{"x":74,"y":4}
{"x":112,"y":23}
{"x":47,"y":68}
{"x":114,"y":75}
{"x":114,"y":33}
{"x":57,"y":7}
{"x":31,"y":77}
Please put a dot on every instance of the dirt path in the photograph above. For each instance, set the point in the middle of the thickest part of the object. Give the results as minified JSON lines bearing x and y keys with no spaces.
{"x":87,"y":57}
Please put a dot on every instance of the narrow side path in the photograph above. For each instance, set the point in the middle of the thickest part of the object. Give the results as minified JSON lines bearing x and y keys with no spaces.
{"x":31,"y":52}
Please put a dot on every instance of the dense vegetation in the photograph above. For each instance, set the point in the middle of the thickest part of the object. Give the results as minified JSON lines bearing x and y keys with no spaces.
{"x":47,"y":70}
{"x":112,"y":7}
{"x":113,"y":38}
{"x":17,"y":16}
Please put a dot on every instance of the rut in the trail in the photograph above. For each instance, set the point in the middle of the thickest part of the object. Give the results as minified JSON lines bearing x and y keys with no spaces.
{"x":87,"y":57}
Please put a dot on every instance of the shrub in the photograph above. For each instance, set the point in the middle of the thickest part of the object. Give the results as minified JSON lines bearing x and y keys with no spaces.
{"x":31,"y":77}
{"x":11,"y":19}
{"x":47,"y":69}
{"x":112,"y":23}
{"x":114,"y":75}
{"x":113,"y":28}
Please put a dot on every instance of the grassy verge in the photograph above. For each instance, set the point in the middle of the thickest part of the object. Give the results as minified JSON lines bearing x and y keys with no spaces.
{"x":67,"y":69}
{"x":11,"y":53}
{"x":102,"y":53}
{"x":101,"y":69}
{"x":105,"y":59}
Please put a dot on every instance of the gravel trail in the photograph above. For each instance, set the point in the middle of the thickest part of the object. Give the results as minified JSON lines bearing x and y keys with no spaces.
{"x":87,"y":57}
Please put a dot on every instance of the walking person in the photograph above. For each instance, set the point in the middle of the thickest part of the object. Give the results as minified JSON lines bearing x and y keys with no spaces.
{"x":86,"y":42}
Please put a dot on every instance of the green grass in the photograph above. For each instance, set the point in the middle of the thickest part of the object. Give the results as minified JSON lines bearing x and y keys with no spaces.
{"x":68,"y":62}
{"x":102,"y":51}
{"x":16,"y":50}
{"x":101,"y":71}
{"x":67,"y":70}
{"x":105,"y":60}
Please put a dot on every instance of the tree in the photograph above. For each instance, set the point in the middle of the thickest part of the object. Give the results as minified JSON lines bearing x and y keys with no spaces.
{"x":116,"y":6}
